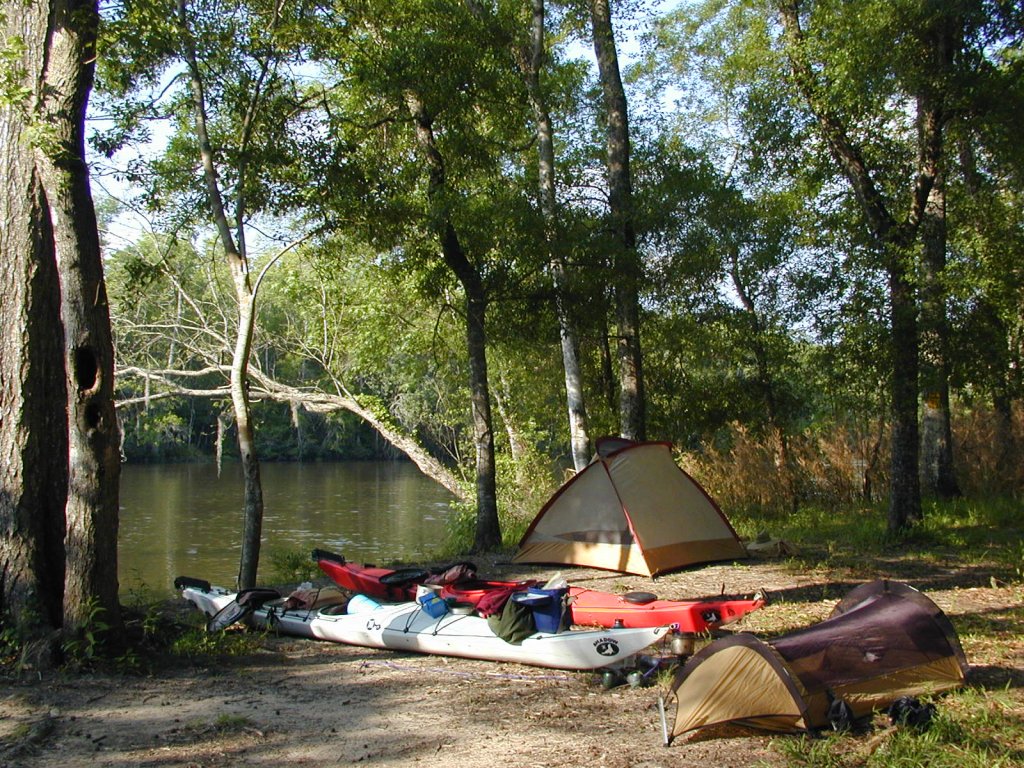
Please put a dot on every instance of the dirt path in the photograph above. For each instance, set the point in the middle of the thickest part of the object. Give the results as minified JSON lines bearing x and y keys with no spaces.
{"x":299,"y":702}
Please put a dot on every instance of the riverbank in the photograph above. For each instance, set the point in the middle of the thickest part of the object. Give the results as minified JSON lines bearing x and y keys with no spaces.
{"x":302,"y":702}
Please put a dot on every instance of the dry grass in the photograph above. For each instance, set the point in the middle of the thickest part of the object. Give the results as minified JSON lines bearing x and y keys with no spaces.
{"x":757,"y":474}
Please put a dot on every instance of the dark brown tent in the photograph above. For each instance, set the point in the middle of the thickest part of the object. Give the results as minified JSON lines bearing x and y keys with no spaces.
{"x":883,"y":641}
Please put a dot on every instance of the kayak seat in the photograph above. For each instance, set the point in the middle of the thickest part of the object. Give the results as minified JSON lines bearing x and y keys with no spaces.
{"x":404,"y":576}
{"x":639,"y":598}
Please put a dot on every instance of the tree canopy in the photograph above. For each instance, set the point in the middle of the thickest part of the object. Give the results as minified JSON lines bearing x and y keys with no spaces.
{"x":820,"y":216}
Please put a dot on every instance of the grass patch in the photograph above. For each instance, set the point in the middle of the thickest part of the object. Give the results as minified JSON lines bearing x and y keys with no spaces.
{"x":973,"y":728}
{"x":961,"y":532}
{"x":198,"y":643}
{"x":230,"y":723}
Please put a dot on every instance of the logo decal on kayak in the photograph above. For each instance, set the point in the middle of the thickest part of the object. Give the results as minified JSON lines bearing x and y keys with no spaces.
{"x":607,"y":646}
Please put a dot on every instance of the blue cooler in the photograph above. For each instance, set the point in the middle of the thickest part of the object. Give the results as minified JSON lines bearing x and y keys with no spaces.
{"x":547,"y":605}
{"x":434,"y":605}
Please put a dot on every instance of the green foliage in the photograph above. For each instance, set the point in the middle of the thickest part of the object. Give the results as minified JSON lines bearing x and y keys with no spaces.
{"x":159,"y":435}
{"x":10,"y":646}
{"x":460,"y":530}
{"x":197,"y":643}
{"x":291,"y":567}
{"x":232,"y":723}
{"x":765,"y":310}
{"x":82,"y":648}
{"x":13,"y":91}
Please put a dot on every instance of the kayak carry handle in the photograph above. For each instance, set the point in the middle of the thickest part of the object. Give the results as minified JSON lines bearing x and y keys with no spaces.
{"x":181,"y":582}
{"x":323,"y":554}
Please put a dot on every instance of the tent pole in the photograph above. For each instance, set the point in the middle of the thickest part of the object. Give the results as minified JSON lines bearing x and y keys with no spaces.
{"x":665,"y":740}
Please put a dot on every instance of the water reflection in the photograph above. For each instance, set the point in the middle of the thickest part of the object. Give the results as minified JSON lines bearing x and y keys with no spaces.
{"x":184,"y":519}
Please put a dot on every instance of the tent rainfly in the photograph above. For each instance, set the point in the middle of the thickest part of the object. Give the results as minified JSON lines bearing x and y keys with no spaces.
{"x":633,"y":510}
{"x":883,"y":641}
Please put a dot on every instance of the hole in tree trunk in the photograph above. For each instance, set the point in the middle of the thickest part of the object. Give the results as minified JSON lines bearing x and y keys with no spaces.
{"x":93,"y":414}
{"x":86,"y":369}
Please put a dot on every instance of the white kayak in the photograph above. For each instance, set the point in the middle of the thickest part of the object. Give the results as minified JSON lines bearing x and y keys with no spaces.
{"x":407,"y":627}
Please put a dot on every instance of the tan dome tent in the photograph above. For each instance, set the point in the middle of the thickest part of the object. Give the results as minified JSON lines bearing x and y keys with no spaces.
{"x":632,"y":509}
{"x":885,"y":640}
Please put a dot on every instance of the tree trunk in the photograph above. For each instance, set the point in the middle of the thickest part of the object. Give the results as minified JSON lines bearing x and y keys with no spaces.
{"x":488,"y":528}
{"x":530,"y":63}
{"x":627,"y":266}
{"x":905,"y":490}
{"x":95,"y":462}
{"x":252,"y":509}
{"x":59,"y":435}
{"x":33,"y":426}
{"x":894,"y":241}
{"x":937,"y":469}
{"x":518,"y":446}
{"x":529,"y":60}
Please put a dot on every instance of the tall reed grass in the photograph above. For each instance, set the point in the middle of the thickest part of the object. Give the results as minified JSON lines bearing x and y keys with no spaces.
{"x":757,"y":474}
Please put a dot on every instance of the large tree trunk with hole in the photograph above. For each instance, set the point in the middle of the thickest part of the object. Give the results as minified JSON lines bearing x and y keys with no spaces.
{"x":627,"y":269}
{"x":59,"y":435}
{"x":93,"y":435}
{"x":33,"y":428}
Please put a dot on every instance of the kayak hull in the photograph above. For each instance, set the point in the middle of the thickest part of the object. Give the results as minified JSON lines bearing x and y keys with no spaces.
{"x":406,"y":627}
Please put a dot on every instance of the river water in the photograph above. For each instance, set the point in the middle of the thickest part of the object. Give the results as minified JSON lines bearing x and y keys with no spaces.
{"x":182,"y":519}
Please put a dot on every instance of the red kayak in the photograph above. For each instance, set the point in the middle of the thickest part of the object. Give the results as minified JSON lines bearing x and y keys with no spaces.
{"x":642,"y":609}
{"x":399,"y":585}
{"x":587,"y":606}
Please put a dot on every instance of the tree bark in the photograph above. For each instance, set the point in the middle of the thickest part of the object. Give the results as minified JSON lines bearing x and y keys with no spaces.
{"x":488,"y":528}
{"x":33,"y":426}
{"x":627,"y":266}
{"x":937,"y":468}
{"x":94,"y":438}
{"x":529,"y":60}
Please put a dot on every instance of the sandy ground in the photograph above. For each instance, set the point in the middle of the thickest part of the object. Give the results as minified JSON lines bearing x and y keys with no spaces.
{"x":308,"y":703}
